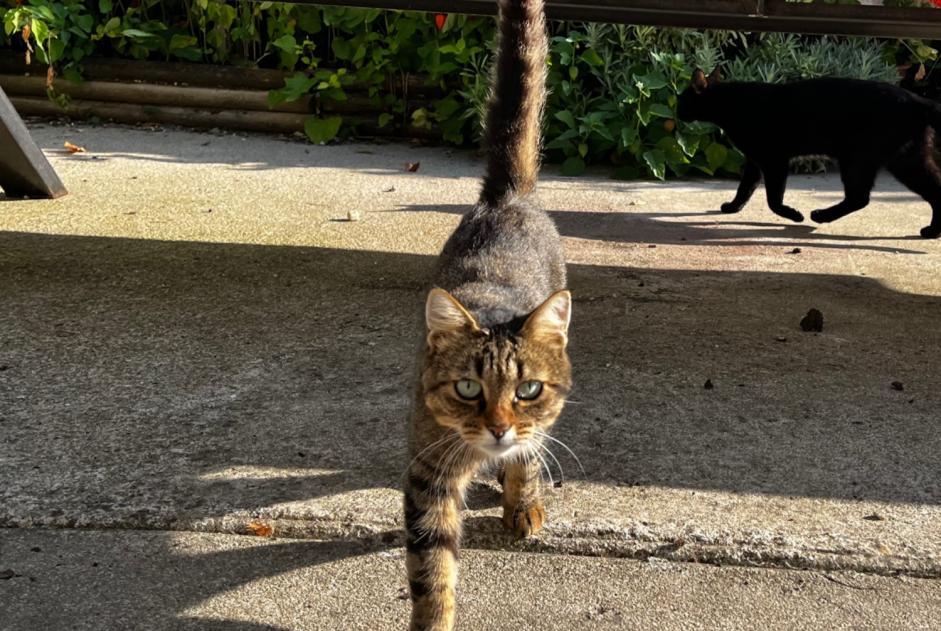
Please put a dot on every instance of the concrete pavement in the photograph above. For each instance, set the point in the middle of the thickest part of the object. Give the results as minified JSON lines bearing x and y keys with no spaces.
{"x":196,"y":339}
{"x":94,"y":580}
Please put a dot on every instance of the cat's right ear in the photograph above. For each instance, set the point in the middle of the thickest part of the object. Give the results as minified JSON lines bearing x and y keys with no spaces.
{"x":445,"y":315}
{"x":699,"y":82}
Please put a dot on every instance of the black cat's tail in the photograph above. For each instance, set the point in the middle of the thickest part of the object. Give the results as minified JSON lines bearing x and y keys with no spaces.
{"x":518,"y":95}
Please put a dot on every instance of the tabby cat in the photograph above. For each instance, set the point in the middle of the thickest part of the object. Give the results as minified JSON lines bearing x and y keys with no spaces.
{"x":864,"y":125}
{"x":494,"y":371}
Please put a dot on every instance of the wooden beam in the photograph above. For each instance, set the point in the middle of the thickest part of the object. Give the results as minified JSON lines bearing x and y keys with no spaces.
{"x":24,"y":170}
{"x":741,"y":15}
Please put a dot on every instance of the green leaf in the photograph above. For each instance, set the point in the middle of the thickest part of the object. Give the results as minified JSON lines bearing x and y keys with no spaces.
{"x":308,"y":18}
{"x":592,"y":58}
{"x":342,"y":48}
{"x":734,"y":162}
{"x":652,"y":80}
{"x":286,"y":43}
{"x":688,"y":144}
{"x":111,"y":27}
{"x":40,"y":30}
{"x":573,"y":166}
{"x":716,"y":155}
{"x":385,"y":118}
{"x":628,"y":134}
{"x":566,"y":117}
{"x":104,"y":6}
{"x":136,"y":33}
{"x":84,"y":22}
{"x":563,"y":140}
{"x":656,"y":161}
{"x":661,"y":110}
{"x":671,"y":149}
{"x":322,"y":130}
{"x":179,"y":41}
{"x":699,"y":128}
{"x":294,"y":88}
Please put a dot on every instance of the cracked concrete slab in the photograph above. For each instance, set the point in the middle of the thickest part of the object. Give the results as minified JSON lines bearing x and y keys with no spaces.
{"x":196,"y":338}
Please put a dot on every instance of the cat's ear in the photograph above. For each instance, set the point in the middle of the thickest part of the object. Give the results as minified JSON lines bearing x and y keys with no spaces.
{"x":715,"y":76}
{"x":444,"y":314}
{"x":550,"y":320}
{"x":699,"y":81}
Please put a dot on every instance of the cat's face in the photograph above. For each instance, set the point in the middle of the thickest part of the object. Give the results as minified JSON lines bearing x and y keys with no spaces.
{"x":496,"y":389}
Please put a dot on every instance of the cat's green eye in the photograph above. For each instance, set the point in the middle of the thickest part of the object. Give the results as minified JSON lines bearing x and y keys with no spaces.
{"x":467,"y":389}
{"x":528,"y":390}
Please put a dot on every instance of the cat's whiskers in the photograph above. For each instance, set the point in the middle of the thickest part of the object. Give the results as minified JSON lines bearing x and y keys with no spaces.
{"x":530,"y":449}
{"x":545,"y":448}
{"x":440,"y":442}
{"x":564,"y":446}
{"x":445,"y":471}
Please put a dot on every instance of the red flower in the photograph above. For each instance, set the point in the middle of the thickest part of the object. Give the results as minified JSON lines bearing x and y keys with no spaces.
{"x":441,"y":17}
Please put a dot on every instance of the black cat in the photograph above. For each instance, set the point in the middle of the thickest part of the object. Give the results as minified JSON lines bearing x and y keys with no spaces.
{"x":864,"y":125}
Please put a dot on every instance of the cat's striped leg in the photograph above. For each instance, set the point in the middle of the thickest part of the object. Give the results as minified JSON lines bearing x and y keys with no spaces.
{"x":432,"y":531}
{"x":523,"y":513}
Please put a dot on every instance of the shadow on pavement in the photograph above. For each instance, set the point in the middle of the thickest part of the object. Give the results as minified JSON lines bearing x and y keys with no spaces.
{"x":682,"y":228}
{"x":191,"y":380}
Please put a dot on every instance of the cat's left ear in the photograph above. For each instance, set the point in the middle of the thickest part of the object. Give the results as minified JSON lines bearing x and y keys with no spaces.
{"x":444,"y":314}
{"x":715,"y":76}
{"x":551,"y":319}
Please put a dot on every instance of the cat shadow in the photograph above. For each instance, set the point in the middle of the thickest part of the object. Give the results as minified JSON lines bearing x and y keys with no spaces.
{"x":661,"y":228}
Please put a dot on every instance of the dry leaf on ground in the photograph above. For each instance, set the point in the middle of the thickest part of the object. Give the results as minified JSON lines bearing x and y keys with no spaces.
{"x":260,"y":530}
{"x":71,"y":148}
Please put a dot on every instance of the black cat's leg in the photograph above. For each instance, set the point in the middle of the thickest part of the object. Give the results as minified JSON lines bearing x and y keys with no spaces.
{"x":858,"y":179}
{"x":917,"y":169}
{"x":775,"y":182}
{"x":751,"y":176}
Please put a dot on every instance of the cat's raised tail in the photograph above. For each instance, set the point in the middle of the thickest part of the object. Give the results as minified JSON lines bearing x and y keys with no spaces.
{"x":514,"y":117}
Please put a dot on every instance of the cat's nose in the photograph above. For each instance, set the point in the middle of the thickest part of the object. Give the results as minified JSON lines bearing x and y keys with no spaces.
{"x":499,"y":431}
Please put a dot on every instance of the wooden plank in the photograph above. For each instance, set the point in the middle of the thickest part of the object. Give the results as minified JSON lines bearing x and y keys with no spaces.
{"x":24,"y":170}
{"x":742,"y":15}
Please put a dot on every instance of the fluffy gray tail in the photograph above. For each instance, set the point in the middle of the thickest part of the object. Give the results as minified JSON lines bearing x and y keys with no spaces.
{"x":518,"y":95}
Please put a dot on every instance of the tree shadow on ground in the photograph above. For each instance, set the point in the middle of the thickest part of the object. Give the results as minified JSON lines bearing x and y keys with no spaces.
{"x":185,"y":381}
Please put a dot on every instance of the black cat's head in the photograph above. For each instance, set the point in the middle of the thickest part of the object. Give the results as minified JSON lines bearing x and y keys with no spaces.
{"x":693,"y":103}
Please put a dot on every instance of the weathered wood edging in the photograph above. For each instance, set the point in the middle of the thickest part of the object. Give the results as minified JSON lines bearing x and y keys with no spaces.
{"x":194,"y":95}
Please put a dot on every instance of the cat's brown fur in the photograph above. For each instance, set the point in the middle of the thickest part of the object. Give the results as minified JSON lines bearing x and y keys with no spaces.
{"x":498,"y":318}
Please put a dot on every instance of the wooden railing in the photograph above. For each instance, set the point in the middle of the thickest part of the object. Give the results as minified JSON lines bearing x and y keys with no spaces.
{"x":741,"y":15}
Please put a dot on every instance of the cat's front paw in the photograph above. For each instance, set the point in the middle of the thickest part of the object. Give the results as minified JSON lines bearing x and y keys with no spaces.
{"x":788,"y":213}
{"x":931,"y":232}
{"x":730,"y":208}
{"x":524,"y":522}
{"x":822,"y":216}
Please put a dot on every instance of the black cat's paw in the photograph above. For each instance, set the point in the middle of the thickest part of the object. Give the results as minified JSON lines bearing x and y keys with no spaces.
{"x":931,"y":232}
{"x":821,"y":216}
{"x":730,"y":208}
{"x":789,"y":213}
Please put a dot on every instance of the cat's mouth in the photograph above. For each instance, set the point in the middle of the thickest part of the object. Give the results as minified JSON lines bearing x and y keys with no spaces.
{"x":499,"y":446}
{"x":499,"y":450}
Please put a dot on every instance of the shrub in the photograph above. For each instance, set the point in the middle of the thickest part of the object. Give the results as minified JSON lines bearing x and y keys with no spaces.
{"x":613,"y":88}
